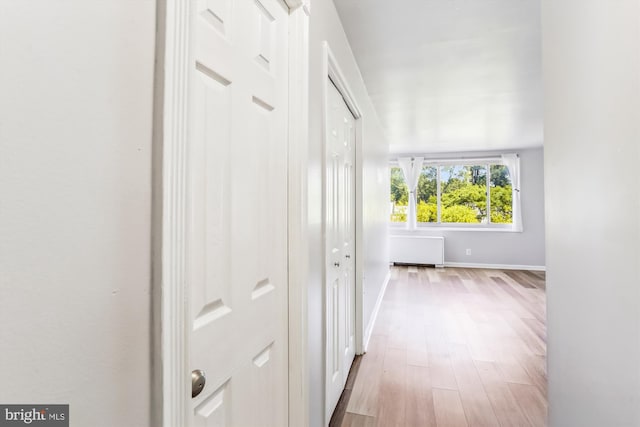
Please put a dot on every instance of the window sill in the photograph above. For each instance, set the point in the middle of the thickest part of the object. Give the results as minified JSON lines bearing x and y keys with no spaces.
{"x":431,"y":229}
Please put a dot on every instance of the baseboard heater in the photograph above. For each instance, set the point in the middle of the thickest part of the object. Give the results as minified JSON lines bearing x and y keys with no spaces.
{"x":417,"y":250}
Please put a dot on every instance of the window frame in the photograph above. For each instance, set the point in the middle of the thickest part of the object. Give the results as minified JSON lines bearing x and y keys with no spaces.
{"x":460,"y":226}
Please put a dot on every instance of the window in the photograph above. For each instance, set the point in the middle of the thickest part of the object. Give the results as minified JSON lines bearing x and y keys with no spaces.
{"x":427,"y":195}
{"x":463,"y":196}
{"x":449,"y":193}
{"x":399,"y":196}
{"x":501,"y":200}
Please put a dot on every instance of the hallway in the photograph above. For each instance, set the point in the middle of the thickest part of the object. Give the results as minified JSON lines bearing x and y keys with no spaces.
{"x":453,"y":347}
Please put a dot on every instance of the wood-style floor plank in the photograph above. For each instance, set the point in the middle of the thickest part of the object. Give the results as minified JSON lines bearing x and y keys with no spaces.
{"x":393,"y":389}
{"x":504,"y":404}
{"x":355,"y":420}
{"x":454,"y":347}
{"x":339,"y":413}
{"x":448,"y":408}
{"x":365,"y":392}
{"x":520,"y":279}
{"x":440,"y":367}
{"x":477,"y":407}
{"x":420,"y":409}
{"x":536,"y":369}
{"x":417,"y":352}
{"x":532,"y":403}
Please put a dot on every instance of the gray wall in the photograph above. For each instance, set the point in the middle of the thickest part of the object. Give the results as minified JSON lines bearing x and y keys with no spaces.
{"x":325,"y":25}
{"x":499,"y":247}
{"x":592,"y":151}
{"x":76,"y":86}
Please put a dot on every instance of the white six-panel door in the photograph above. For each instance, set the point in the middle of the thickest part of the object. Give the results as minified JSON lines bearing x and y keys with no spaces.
{"x":237,"y":259}
{"x":340,"y":238}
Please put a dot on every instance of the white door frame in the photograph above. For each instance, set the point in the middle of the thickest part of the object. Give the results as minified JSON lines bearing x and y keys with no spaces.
{"x":170,"y":386}
{"x":331,"y":70}
{"x":297,"y":209}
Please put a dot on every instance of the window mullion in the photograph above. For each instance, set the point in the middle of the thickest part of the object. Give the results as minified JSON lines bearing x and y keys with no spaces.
{"x":488,"y":179}
{"x":438,"y":191}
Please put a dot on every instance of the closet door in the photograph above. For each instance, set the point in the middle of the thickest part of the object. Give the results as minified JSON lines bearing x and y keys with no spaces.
{"x":237,"y":213}
{"x":340,"y":243}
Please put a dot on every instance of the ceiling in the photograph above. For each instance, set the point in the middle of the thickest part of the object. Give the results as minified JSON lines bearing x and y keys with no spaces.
{"x":450,"y":75}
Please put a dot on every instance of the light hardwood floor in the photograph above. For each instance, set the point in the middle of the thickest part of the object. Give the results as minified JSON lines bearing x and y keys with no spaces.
{"x":453,"y":347}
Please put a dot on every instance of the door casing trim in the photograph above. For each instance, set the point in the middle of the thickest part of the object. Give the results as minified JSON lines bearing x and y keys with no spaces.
{"x":298,"y":218}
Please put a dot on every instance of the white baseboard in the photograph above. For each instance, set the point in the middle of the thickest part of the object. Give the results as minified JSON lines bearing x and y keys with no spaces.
{"x":496,"y":266}
{"x":374,"y":314}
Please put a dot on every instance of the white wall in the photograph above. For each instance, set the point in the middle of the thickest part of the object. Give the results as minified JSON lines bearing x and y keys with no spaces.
{"x":325,"y":25}
{"x":592,"y":151}
{"x":524,"y":249}
{"x":75,"y":176}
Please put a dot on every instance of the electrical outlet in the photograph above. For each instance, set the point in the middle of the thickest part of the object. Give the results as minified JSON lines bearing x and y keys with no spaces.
{"x":468,"y":251}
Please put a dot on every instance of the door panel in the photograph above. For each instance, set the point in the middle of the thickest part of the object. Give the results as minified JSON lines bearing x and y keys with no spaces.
{"x":237,"y":211}
{"x":340,"y":237}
